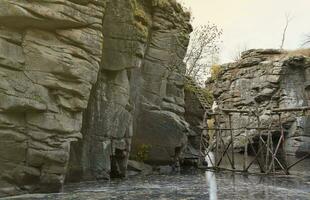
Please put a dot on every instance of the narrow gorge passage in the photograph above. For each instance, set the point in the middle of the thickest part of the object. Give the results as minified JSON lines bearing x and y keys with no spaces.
{"x":95,"y":103}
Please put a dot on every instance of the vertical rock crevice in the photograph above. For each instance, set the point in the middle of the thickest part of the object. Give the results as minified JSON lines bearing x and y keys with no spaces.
{"x":107,"y":121}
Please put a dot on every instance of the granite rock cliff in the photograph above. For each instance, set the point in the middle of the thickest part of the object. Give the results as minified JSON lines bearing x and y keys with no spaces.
{"x":79,"y":79}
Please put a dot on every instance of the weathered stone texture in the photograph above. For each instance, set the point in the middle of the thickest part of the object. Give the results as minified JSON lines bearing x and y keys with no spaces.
{"x":49,"y":60}
{"x":266,"y":79}
{"x":78,"y":79}
{"x":194,"y":116}
{"x":107,"y":123}
{"x":136,"y":94}
{"x":158,"y":86}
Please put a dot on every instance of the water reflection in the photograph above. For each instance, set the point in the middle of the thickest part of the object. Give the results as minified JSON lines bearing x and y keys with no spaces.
{"x":189,"y":185}
{"x":210,"y":177}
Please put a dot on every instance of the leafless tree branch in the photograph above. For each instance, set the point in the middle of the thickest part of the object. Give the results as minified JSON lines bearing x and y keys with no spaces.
{"x":203,"y":47}
{"x":307,"y":41}
{"x":288,"y":19}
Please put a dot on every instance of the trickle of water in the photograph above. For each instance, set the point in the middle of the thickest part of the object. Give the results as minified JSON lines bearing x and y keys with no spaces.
{"x":210,"y":177}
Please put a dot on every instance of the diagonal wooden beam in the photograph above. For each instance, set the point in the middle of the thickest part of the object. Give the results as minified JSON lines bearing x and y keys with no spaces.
{"x":227,"y":154}
{"x":256,"y":156}
{"x":275,"y":158}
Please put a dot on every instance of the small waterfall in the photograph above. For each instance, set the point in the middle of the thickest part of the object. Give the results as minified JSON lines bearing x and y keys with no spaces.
{"x":210,"y":177}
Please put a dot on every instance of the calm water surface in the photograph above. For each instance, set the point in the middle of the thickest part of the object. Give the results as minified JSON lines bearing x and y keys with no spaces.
{"x":190,"y":186}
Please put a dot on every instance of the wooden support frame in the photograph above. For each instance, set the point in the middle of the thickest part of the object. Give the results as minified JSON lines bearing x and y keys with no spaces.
{"x":266,"y":164}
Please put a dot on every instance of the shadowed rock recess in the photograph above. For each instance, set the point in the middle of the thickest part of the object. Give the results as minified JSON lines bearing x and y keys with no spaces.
{"x":266,"y":79}
{"x":78,"y":79}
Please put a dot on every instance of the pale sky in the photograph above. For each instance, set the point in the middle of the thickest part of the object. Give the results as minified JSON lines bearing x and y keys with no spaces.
{"x":253,"y":23}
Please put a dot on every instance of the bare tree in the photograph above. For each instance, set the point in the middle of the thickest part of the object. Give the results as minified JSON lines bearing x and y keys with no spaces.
{"x":288,"y":19}
{"x":307,"y":41}
{"x":238,"y":53}
{"x":202,"y":51}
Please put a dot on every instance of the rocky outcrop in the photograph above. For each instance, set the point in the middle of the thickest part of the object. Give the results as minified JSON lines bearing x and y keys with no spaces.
{"x":78,"y":79}
{"x":262,"y":80}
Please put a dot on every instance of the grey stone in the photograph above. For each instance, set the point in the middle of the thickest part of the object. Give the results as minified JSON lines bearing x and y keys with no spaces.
{"x":78,"y":80}
{"x":47,"y":68}
{"x":140,"y":167}
{"x":277,"y":80}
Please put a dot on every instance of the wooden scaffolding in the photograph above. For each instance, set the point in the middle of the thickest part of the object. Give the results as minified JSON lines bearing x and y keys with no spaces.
{"x":265,"y":155}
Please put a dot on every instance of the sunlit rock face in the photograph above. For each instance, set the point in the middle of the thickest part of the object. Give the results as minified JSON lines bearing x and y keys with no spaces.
{"x":266,"y":79}
{"x":78,"y":78}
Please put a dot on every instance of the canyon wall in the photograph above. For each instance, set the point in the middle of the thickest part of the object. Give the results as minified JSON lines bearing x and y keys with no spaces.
{"x":158,"y":87}
{"x":79,"y":79}
{"x":260,"y":81}
{"x":50,"y":53}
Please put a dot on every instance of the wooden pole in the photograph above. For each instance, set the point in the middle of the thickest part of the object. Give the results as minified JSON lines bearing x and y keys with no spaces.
{"x":232,"y":142}
{"x":272,"y":160}
{"x":223,"y":143}
{"x":298,"y":161}
{"x":225,"y":151}
{"x":203,"y":136}
{"x":271,"y":150}
{"x":280,"y":110}
{"x":276,"y":150}
{"x":260,"y":137}
{"x":283,"y":168}
{"x":282,"y":143}
{"x":256,"y":157}
{"x":216,"y":140}
{"x":267,"y":152}
{"x":201,"y":153}
{"x":245,"y":161}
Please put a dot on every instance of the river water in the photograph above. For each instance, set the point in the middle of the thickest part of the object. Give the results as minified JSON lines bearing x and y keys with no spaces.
{"x":189,"y":185}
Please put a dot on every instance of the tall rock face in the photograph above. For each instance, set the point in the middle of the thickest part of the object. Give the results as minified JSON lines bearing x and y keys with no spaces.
{"x":141,"y":40}
{"x":49,"y":60}
{"x":107,"y":122}
{"x":262,"y":80}
{"x":158,"y":85}
{"x":78,"y":79}
{"x":194,"y":113}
